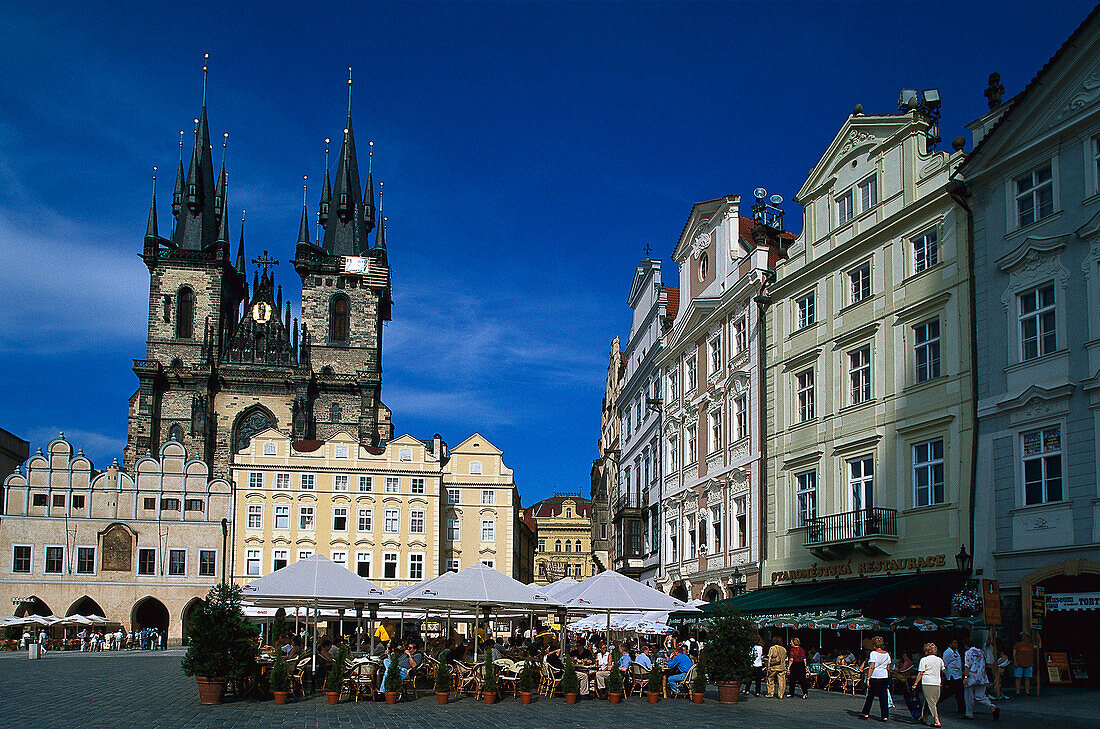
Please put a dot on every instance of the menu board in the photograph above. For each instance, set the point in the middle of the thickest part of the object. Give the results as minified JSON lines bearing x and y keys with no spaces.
{"x":1057,"y":665}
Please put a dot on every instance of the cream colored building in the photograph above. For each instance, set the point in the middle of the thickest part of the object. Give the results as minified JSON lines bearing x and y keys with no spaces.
{"x":395,"y":514}
{"x":564,"y":531}
{"x":868,"y":366}
{"x":141,"y":550}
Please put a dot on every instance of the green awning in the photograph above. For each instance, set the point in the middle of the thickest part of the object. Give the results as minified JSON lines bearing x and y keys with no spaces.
{"x":825,"y":595}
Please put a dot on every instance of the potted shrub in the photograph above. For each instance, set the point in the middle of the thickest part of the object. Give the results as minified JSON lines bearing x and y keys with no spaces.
{"x":528,"y":682}
{"x":699,"y":683}
{"x":729,"y":652}
{"x":654,"y":683}
{"x":570,"y":684}
{"x":615,"y":679}
{"x":278,"y":626}
{"x":442,"y":679}
{"x":334,"y":681}
{"x":280,"y":679}
{"x":489,"y":683}
{"x":391,"y":681}
{"x":222,"y":646}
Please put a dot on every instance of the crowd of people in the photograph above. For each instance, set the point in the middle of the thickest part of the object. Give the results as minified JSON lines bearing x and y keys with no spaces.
{"x":103,"y":640}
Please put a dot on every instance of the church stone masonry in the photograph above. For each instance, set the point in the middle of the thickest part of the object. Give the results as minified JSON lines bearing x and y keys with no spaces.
{"x":225,"y":360}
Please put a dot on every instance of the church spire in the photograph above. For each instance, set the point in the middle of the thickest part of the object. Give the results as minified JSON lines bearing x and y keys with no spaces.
{"x":151,"y":227}
{"x":177,"y":192}
{"x":303,"y":229}
{"x":197,"y":229}
{"x":326,"y":193}
{"x":380,"y":236}
{"x":368,"y":194}
{"x":219,"y":190}
{"x":344,"y":234}
{"x":223,"y":224}
{"x":240,"y":249}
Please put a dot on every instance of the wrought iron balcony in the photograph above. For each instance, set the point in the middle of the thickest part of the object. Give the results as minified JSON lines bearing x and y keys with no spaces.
{"x":865,"y":530}
{"x":629,"y":500}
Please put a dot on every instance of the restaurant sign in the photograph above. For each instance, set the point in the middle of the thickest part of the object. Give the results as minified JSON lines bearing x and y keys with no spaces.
{"x":861,"y":569}
{"x":1073,"y":600}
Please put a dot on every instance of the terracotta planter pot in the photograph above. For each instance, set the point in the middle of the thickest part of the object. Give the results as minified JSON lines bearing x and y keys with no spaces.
{"x":570,"y":698}
{"x":614,"y":698}
{"x":728,"y":692}
{"x":442,"y":696}
{"x":489,"y":696}
{"x":280,"y":697}
{"x":211,"y":690}
{"x":391,"y":697}
{"x":525,"y":696}
{"x":333,"y":697}
{"x":698,"y":698}
{"x":653,"y":697}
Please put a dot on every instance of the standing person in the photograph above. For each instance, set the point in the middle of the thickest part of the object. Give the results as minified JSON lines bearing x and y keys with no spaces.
{"x":878,"y":665}
{"x":796,"y":667}
{"x":1023,"y":657}
{"x":999,"y":668}
{"x":929,"y":677}
{"x":42,"y":639}
{"x":777,"y":669}
{"x":975,"y":679}
{"x":757,"y":665}
{"x":953,"y":666}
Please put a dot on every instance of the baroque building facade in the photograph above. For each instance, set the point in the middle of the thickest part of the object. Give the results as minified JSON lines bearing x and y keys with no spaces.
{"x":870,"y":423}
{"x":1033,"y":184}
{"x":224,"y":360}
{"x":711,"y":495}
{"x":635,"y":508}
{"x":141,"y":549}
{"x":563,"y":527}
{"x":605,"y":469}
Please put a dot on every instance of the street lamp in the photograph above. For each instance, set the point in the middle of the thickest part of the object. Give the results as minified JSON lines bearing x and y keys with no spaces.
{"x":964,"y":561}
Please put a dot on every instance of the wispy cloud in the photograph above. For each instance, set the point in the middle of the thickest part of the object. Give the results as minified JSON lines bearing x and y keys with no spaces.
{"x":100,"y":447}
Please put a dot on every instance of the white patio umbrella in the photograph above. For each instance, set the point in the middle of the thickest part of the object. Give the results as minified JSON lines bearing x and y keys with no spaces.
{"x":610,"y":592}
{"x":556,"y":587}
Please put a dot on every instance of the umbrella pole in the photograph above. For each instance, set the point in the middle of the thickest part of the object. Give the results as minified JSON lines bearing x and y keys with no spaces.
{"x":477,"y":624}
{"x":313,"y":665}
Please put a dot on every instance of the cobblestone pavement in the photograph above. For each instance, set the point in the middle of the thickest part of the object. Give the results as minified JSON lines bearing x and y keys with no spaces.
{"x":147,"y":690}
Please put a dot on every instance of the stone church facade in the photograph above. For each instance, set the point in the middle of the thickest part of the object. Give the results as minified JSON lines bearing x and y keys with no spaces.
{"x":224,"y":359}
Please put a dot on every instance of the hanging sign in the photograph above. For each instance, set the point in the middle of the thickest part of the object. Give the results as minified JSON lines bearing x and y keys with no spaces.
{"x":1038,"y":607}
{"x":991,"y":602}
{"x":355,"y":264}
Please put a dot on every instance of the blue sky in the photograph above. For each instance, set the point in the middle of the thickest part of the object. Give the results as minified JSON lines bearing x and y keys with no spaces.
{"x":529,"y":152}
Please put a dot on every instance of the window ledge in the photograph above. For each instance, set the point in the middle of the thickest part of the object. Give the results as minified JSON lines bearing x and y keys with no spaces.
{"x":1049,"y":506}
{"x":931,"y":508}
{"x":803,"y":423}
{"x":916,"y":387}
{"x":1056,"y":354}
{"x":849,"y":307}
{"x":1033,"y":226}
{"x":851,"y":408}
{"x":920,"y":274}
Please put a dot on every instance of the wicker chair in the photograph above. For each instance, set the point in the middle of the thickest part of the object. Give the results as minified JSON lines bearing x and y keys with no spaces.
{"x":551,"y":680}
{"x":637,"y":677}
{"x":851,"y":678}
{"x":298,"y":677}
{"x":360,"y":680}
{"x":683,"y":688}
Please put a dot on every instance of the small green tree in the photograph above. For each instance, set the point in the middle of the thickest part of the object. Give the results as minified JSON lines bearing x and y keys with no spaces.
{"x":729,"y":647}
{"x":528,"y":680}
{"x":278,"y":625}
{"x":391,"y":681}
{"x":489,"y":683}
{"x":222,"y":641}
{"x":615,"y":678}
{"x":334,"y":681}
{"x":570,"y":683}
{"x":280,"y":674}
{"x":442,"y":674}
{"x":654,"y":680}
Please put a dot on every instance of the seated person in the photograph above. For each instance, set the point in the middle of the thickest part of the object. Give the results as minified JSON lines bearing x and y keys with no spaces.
{"x":324,"y":659}
{"x":295,"y":646}
{"x":644,"y":659}
{"x":553,"y":659}
{"x":498,"y":649}
{"x":906,"y":663}
{"x":581,"y":651}
{"x":678,"y":667}
{"x":410,"y":658}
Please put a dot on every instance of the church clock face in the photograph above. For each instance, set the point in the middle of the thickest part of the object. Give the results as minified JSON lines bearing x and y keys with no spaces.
{"x":261,"y":312}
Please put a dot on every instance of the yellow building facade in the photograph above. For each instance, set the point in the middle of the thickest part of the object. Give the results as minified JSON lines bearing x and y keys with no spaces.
{"x":564,"y":530}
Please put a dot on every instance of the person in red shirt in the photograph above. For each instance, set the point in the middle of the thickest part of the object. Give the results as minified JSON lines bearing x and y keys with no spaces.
{"x":796,"y":667}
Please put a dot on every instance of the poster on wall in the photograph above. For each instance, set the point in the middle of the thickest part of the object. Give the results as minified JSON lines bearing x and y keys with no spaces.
{"x":1057,"y":665}
{"x":1038,"y":607}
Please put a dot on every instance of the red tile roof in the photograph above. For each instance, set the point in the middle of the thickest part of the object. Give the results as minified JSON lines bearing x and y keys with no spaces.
{"x":307,"y":446}
{"x":672,"y":306}
{"x":553,"y":506}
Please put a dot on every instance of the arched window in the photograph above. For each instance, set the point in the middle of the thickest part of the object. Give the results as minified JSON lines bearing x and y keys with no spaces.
{"x":578,"y":547}
{"x":568,"y":546}
{"x":175,"y":433}
{"x":334,"y":414}
{"x":185,"y":314}
{"x":339,"y":310}
{"x":557,"y":546}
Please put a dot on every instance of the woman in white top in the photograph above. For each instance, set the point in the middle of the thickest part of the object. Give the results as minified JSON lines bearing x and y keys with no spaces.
{"x":929,"y":675}
{"x":878,"y":665}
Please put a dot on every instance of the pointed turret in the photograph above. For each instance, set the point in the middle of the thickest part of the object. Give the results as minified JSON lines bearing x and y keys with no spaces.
{"x":177,"y":192}
{"x":219,"y":190}
{"x":198,"y":223}
{"x":344,"y":234}
{"x":368,"y":194}
{"x":303,"y":228}
{"x":240,"y":250}
{"x":151,"y":226}
{"x":223,"y":228}
{"x":326,"y":194}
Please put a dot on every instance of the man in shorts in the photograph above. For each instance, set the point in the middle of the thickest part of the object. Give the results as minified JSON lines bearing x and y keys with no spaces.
{"x":1023,"y":659}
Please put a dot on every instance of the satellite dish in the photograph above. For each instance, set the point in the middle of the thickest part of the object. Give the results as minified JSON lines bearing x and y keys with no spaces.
{"x":775,"y":199}
{"x":760,"y":193}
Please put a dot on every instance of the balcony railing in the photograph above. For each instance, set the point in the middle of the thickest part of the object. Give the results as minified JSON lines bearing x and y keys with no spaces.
{"x":629,"y":500}
{"x":852,"y":526}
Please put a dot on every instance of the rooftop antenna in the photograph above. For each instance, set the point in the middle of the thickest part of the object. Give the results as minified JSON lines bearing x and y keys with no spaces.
{"x":205,"y":70}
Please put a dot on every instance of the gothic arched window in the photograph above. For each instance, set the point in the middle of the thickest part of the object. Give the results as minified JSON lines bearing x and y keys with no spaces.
{"x":185,"y":314}
{"x":334,"y":415}
{"x":175,"y":433}
{"x":578,"y":547}
{"x":557,"y":545}
{"x":338,"y":318}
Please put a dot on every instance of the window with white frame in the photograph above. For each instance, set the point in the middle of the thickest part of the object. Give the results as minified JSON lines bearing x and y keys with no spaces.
{"x":489,"y":563}
{"x":1042,"y":456}
{"x":626,"y":476}
{"x":691,"y":440}
{"x":305,"y":518}
{"x":255,"y":516}
{"x":365,"y":520}
{"x":475,"y":468}
{"x":340,"y":558}
{"x":926,"y":350}
{"x":1037,"y":322}
{"x":282,"y":516}
{"x":1034,"y":195}
{"x":21,"y":559}
{"x":673,"y":382}
{"x":859,"y":283}
{"x":340,"y":482}
{"x":454,"y":531}
{"x":806,"y":313}
{"x":844,"y":208}
{"x":255,"y":480}
{"x":1095,"y":151}
{"x":868,"y":194}
{"x":452,"y":565}
{"x":304,"y":554}
{"x":416,"y":485}
{"x":208,"y":562}
{"x":716,"y":529}
{"x":55,"y":560}
{"x":861,"y":482}
{"x":405,"y":455}
{"x":282,"y":480}
{"x":804,"y":386}
{"x":85,"y":560}
{"x":692,"y":544}
{"x":416,"y":521}
{"x":270,"y":449}
{"x":393,"y":485}
{"x":307,"y":481}
{"x":252,"y":563}
{"x":673,"y":454}
{"x":362,"y":564}
{"x":453,"y":496}
{"x":690,"y":374}
{"x":926,"y":250}
{"x":279,"y":559}
{"x":488,"y":497}
{"x":741,"y":415}
{"x":341,"y":450}
{"x":928,"y":473}
{"x":488,"y":530}
{"x":741,"y":333}
{"x":339,"y":518}
{"x":416,"y":566}
{"x":715,"y":425}
{"x":391,"y":520}
{"x":389,"y":565}
{"x":715,"y":346}
{"x":177,"y":562}
{"x":365,"y":485}
{"x":859,"y":374}
{"x":672,"y":542}
{"x":805,"y":498}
